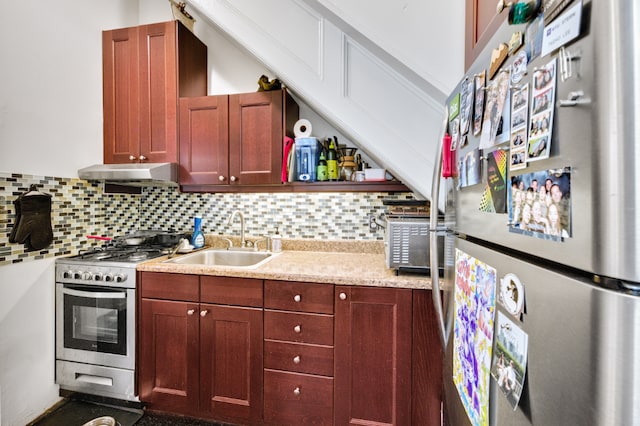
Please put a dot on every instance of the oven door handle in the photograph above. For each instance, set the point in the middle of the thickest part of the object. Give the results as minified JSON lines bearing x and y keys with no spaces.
{"x":94,"y":294}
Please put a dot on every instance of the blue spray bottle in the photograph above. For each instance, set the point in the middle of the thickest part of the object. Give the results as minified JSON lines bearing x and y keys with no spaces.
{"x":197,"y":239}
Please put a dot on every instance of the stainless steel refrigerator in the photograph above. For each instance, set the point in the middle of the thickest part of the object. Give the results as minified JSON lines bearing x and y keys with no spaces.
{"x":581,"y":306}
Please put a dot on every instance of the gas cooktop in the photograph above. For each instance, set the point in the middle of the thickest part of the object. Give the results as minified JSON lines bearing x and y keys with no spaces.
{"x":119,"y":254}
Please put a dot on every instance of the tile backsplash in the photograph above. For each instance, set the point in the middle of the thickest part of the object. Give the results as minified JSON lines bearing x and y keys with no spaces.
{"x":81,"y":208}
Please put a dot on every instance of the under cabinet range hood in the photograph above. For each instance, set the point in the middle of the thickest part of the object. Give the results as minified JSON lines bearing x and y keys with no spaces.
{"x":138,"y":174}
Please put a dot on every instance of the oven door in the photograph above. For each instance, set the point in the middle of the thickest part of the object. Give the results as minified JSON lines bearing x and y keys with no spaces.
{"x":95,"y":325}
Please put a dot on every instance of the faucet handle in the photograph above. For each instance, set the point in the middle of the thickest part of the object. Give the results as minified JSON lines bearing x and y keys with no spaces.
{"x":228,"y":241}
{"x":266,"y":239}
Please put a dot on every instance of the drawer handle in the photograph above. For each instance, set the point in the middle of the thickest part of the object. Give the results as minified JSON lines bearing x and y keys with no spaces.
{"x":297,"y":298}
{"x":297,"y":328}
{"x":191,"y":311}
{"x":296,"y":391}
{"x":296,"y":359}
{"x":343,"y":296}
{"x":204,"y":313}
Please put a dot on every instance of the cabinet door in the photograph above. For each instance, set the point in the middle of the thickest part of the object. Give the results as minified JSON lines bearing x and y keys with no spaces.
{"x":231,"y":363}
{"x":120,"y":95}
{"x":255,"y":137}
{"x":168,"y":355}
{"x":204,"y":140}
{"x":158,"y":92}
{"x":372,"y":356}
{"x":481,"y":22}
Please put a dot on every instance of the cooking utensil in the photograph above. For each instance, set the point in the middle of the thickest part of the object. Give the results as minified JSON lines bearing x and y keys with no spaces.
{"x":170,"y":239}
{"x":134,"y":241}
{"x":102,"y":421}
{"x":99,"y":237}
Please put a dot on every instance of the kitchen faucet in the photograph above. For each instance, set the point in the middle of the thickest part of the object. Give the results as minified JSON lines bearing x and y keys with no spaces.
{"x":243,"y":243}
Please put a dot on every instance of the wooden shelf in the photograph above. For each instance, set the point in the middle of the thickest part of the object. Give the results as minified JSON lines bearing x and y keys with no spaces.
{"x":387,"y":186}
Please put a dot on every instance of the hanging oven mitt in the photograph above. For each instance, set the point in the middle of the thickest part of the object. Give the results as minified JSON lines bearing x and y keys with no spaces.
{"x":34,"y":225}
{"x":14,"y":230}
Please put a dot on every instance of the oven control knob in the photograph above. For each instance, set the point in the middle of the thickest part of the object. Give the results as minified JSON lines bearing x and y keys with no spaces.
{"x":120,"y":278}
{"x":77,"y":275}
{"x":108,"y":277}
{"x":97,"y":276}
{"x":87,"y":276}
{"x":67,"y":274}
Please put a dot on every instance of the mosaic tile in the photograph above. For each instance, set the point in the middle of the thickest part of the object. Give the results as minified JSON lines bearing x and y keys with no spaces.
{"x":81,"y":208}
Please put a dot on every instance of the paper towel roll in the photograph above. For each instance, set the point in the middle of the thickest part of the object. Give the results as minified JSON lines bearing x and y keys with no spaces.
{"x":302,"y":128}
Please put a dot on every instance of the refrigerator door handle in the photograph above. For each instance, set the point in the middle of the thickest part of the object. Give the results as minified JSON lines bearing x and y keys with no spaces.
{"x":433,"y":236}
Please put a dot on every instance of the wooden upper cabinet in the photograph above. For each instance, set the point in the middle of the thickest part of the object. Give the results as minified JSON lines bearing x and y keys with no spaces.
{"x":481,"y":22}
{"x":229,"y":141}
{"x":121,"y":101}
{"x":145,"y":70}
{"x":255,"y":137}
{"x":204,"y":140}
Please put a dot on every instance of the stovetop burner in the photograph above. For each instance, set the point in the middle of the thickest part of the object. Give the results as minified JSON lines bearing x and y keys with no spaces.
{"x":119,"y":254}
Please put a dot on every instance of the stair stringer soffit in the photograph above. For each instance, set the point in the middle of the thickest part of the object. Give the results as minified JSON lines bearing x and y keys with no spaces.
{"x":391,"y":118}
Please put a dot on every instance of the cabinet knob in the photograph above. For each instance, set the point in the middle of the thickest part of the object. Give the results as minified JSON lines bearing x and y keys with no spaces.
{"x":204,"y":313}
{"x":191,"y":311}
{"x":142,"y":158}
{"x":297,"y":298}
{"x":221,"y":178}
{"x":343,"y":296}
{"x":296,"y":359}
{"x":233,"y":178}
{"x":296,"y":391}
{"x":297,"y":328}
{"x":132,"y":158}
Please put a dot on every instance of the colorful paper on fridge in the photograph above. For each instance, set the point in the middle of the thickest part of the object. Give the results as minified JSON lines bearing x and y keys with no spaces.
{"x":494,"y":198}
{"x":475,"y":301}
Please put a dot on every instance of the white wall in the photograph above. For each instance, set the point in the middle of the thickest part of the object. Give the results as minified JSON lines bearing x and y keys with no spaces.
{"x":427,"y":36}
{"x":51,"y":83}
{"x":51,"y":125}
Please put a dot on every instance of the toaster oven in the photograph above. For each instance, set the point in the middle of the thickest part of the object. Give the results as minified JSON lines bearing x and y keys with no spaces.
{"x":406,"y":244}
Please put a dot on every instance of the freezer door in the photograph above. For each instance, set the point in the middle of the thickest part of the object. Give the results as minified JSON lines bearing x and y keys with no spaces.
{"x":596,"y":128}
{"x":581,"y":352}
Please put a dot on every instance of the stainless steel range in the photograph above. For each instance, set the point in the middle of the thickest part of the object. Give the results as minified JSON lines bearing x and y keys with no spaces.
{"x":96,"y":317}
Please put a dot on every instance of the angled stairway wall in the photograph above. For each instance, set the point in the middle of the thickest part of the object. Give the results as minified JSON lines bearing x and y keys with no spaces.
{"x":392,"y":111}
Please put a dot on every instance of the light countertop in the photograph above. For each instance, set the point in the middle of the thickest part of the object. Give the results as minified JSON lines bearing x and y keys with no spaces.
{"x":334,"y":262}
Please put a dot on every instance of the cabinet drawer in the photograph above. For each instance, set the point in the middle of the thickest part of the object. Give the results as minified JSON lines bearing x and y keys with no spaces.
{"x":297,"y":296}
{"x":158,"y":285}
{"x":294,"y":327}
{"x":299,"y":357}
{"x":231,"y":291}
{"x":297,"y":399}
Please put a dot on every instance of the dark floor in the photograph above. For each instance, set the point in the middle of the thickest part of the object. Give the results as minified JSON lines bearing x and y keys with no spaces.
{"x":154,"y":419}
{"x":77,"y":413}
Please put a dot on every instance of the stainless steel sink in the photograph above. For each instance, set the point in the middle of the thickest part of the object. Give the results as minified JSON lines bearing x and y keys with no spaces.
{"x":218,"y":257}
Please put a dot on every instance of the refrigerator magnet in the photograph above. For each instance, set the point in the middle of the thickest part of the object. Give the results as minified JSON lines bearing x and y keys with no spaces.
{"x":519,"y":67}
{"x":511,"y":295}
{"x":509,"y":364}
{"x":466,"y":105}
{"x":498,"y":56}
{"x":478,"y":105}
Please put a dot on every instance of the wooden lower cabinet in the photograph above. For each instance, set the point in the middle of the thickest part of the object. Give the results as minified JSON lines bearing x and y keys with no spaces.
{"x":375,"y":360}
{"x":231,"y":363}
{"x":168,"y":355}
{"x":298,"y":353}
{"x":201,"y":359}
{"x":373,"y":356}
{"x":297,"y":399}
